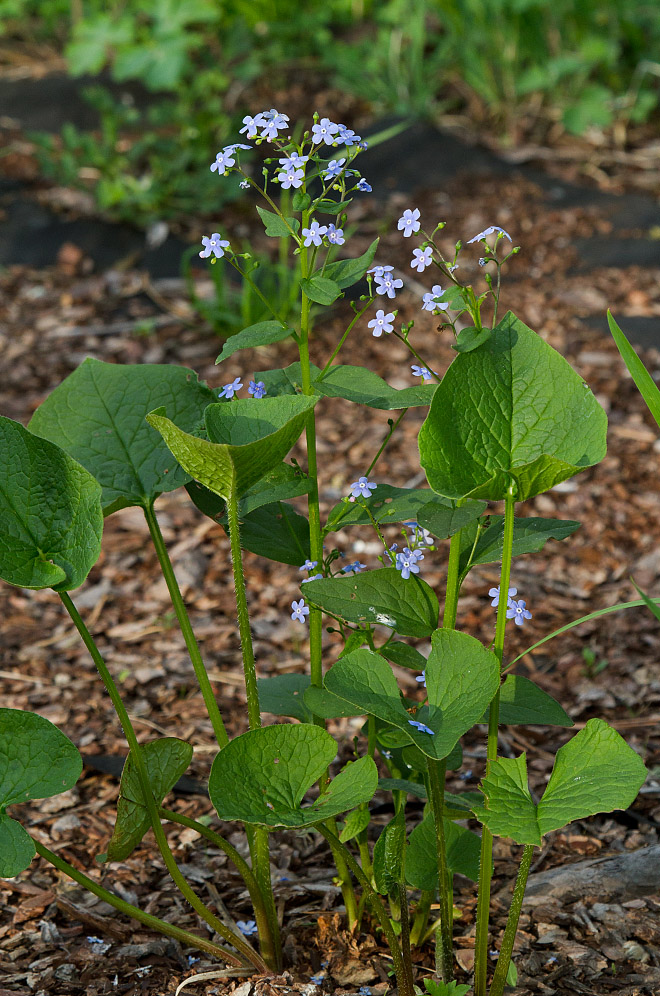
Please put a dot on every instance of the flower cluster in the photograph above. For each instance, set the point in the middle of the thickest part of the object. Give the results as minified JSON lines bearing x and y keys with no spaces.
{"x":406,"y":562}
{"x":257,"y":388}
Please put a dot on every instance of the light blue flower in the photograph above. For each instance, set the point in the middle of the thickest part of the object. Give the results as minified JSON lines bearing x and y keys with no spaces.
{"x":223,"y":161}
{"x":333,"y":169}
{"x":429,"y":302}
{"x":494,"y":593}
{"x":365,"y":187}
{"x":362,"y":487}
{"x":408,"y":223}
{"x":382,"y":323}
{"x":257,"y":388}
{"x":318,"y":979}
{"x":380,"y":271}
{"x":312,"y":577}
{"x":355,"y":568}
{"x":489,"y":231}
{"x":518,"y":611}
{"x":421,"y":678}
{"x":272,"y":121}
{"x":347,"y":136}
{"x":309,"y":565}
{"x":421,"y":258}
{"x":300,"y":610}
{"x":247,"y":927}
{"x":293,"y":161}
{"x":245,"y":184}
{"x":420,"y":727}
{"x":314,"y":234}
{"x":291,"y":178}
{"x":229,"y":390}
{"x":386,"y":284}
{"x":335,"y":235}
{"x":421,"y":371}
{"x":325,"y":131}
{"x":251,"y":125}
{"x":214,"y":245}
{"x":406,"y":562}
{"x":236,"y":145}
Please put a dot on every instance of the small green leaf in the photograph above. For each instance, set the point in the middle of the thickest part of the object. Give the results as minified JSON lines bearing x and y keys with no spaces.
{"x":364,"y":387}
{"x":246,"y":441}
{"x":442,"y":521}
{"x":166,"y":760}
{"x":529,"y":536}
{"x":403,"y":655}
{"x":409,"y":607}
{"x":98,"y":416}
{"x":595,"y":772}
{"x":326,"y":206}
{"x":646,"y":386}
{"x":320,"y":289}
{"x":50,"y":513}
{"x":388,"y":855}
{"x":521,"y":701}
{"x":347,"y":272}
{"x":512,"y":409}
{"x":468,"y":339}
{"x":301,"y":201}
{"x":357,"y":821}
{"x":262,"y":776}
{"x":278,"y":533}
{"x":418,"y":789}
{"x":389,"y":504}
{"x":512,"y":975}
{"x":261,"y":334}
{"x":436,"y":988}
{"x":275,"y":226}
{"x":36,"y":761}
{"x":283,"y":695}
{"x":463,"y":853}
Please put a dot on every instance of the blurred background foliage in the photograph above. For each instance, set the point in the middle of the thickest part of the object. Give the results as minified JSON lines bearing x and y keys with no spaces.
{"x":517,"y":69}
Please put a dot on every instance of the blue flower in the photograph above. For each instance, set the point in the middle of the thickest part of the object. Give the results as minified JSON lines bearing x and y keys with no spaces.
{"x":408,"y":223}
{"x":257,"y":388}
{"x":386,"y":284}
{"x":355,"y":568}
{"x":314,"y":234}
{"x":347,"y":136}
{"x":291,"y":178}
{"x":300,"y":610}
{"x":518,"y":611}
{"x":223,"y":161}
{"x":406,"y":562}
{"x":421,"y":678}
{"x":380,"y":271}
{"x":421,"y":258}
{"x":236,"y":145}
{"x":419,"y":537}
{"x":214,"y":245}
{"x":251,"y":126}
{"x":312,"y":577}
{"x":317,"y":979}
{"x":429,"y":302}
{"x":420,"y":727}
{"x":229,"y":390}
{"x":482,"y":261}
{"x":325,"y":131}
{"x":293,"y":161}
{"x":381,"y":323}
{"x":489,"y":231}
{"x":364,"y":991}
{"x":272,"y":122}
{"x":365,"y":187}
{"x":494,"y":593}
{"x":421,"y":371}
{"x":362,"y":487}
{"x":309,"y":565}
{"x":333,"y":169}
{"x":245,"y":184}
{"x":335,"y":235}
{"x":247,"y":927}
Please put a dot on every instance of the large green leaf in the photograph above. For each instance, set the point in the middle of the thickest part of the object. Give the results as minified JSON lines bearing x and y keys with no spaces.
{"x":98,"y":416}
{"x":463,"y":853}
{"x":262,"y":776}
{"x":324,"y":704}
{"x":512,"y":409}
{"x":352,"y":383}
{"x":278,"y":533}
{"x":529,"y":536}
{"x":283,"y":695}
{"x":246,"y":440}
{"x":51,"y":520}
{"x":595,"y":772}
{"x":36,"y":762}
{"x":442,"y":521}
{"x":347,"y":272}
{"x":261,"y":334}
{"x":166,"y":760}
{"x":284,"y":481}
{"x":646,"y":386}
{"x":409,"y":607}
{"x":521,"y":701}
{"x":389,"y":504}
{"x":461,"y":679}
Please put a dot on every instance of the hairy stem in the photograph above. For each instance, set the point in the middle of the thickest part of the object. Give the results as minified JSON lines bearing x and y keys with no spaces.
{"x":436,"y":778}
{"x":502,"y":967}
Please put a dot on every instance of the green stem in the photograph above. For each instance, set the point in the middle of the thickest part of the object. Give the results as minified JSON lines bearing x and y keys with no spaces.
{"x":405,"y":924}
{"x":453,"y":581}
{"x":183,"y":936}
{"x":402,"y":970}
{"x":502,"y":967}
{"x":486,"y":859}
{"x":237,"y":940}
{"x":341,"y":342}
{"x":248,"y":280}
{"x":421,"y":359}
{"x":436,"y":777}
{"x":421,"y":920}
{"x":186,"y":628}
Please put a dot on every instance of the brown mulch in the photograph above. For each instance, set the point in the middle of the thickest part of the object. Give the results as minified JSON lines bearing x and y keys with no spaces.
{"x":51,"y":320}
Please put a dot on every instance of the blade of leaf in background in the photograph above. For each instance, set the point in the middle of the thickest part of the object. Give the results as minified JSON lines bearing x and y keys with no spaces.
{"x":646,"y":386}
{"x":282,"y":695}
{"x":97,"y":414}
{"x":261,"y":334}
{"x":648,"y":602}
{"x":51,"y":521}
{"x":523,"y":702}
{"x":463,"y":851}
{"x":530,"y":535}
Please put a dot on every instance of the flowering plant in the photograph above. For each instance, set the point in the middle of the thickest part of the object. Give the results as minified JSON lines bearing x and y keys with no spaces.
{"x":508,"y":420}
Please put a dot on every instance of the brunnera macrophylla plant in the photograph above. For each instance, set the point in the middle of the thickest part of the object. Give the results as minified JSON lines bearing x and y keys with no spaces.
{"x":507,"y":420}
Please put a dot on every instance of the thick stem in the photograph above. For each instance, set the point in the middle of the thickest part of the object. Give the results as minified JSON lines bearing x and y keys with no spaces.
{"x":502,"y":967}
{"x":486,"y":859}
{"x":237,"y":940}
{"x":453,"y":581}
{"x":186,"y":628}
{"x":183,"y":936}
{"x":436,"y":778}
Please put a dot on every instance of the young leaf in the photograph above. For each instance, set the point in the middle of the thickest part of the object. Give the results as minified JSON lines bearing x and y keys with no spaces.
{"x":347,"y":272}
{"x":98,"y":416}
{"x":403,"y":655}
{"x":511,"y":409}
{"x":442,"y":521}
{"x":357,"y":821}
{"x":388,"y":855}
{"x":327,"y":206}
{"x":166,"y":760}
{"x":36,"y":762}
{"x":463,"y":853}
{"x":246,"y":440}
{"x":276,"y":226}
{"x":595,"y":772}
{"x":262,"y":776}
{"x":320,"y":289}
{"x":646,"y":386}
{"x":261,"y":334}
{"x":50,"y":513}
{"x":648,"y":602}
{"x":521,"y":701}
{"x":468,"y":339}
{"x":436,"y":988}
{"x":283,"y":695}
{"x":529,"y":536}
{"x":409,"y":607}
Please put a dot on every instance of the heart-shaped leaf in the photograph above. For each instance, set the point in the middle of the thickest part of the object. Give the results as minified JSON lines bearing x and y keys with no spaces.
{"x":262,"y":776}
{"x":324,"y":704}
{"x":357,"y":821}
{"x":275,"y":226}
{"x":461,"y":679}
{"x":463,"y":854}
{"x":36,"y":762}
{"x":278,"y":533}
{"x":261,"y":334}
{"x":51,"y":520}
{"x":98,"y":416}
{"x":512,"y":409}
{"x":529,"y":536}
{"x":595,"y":772}
{"x":320,"y":290}
{"x":246,"y":440}
{"x":521,"y":701}
{"x":166,"y":760}
{"x":409,"y":607}
{"x":442,"y":521}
